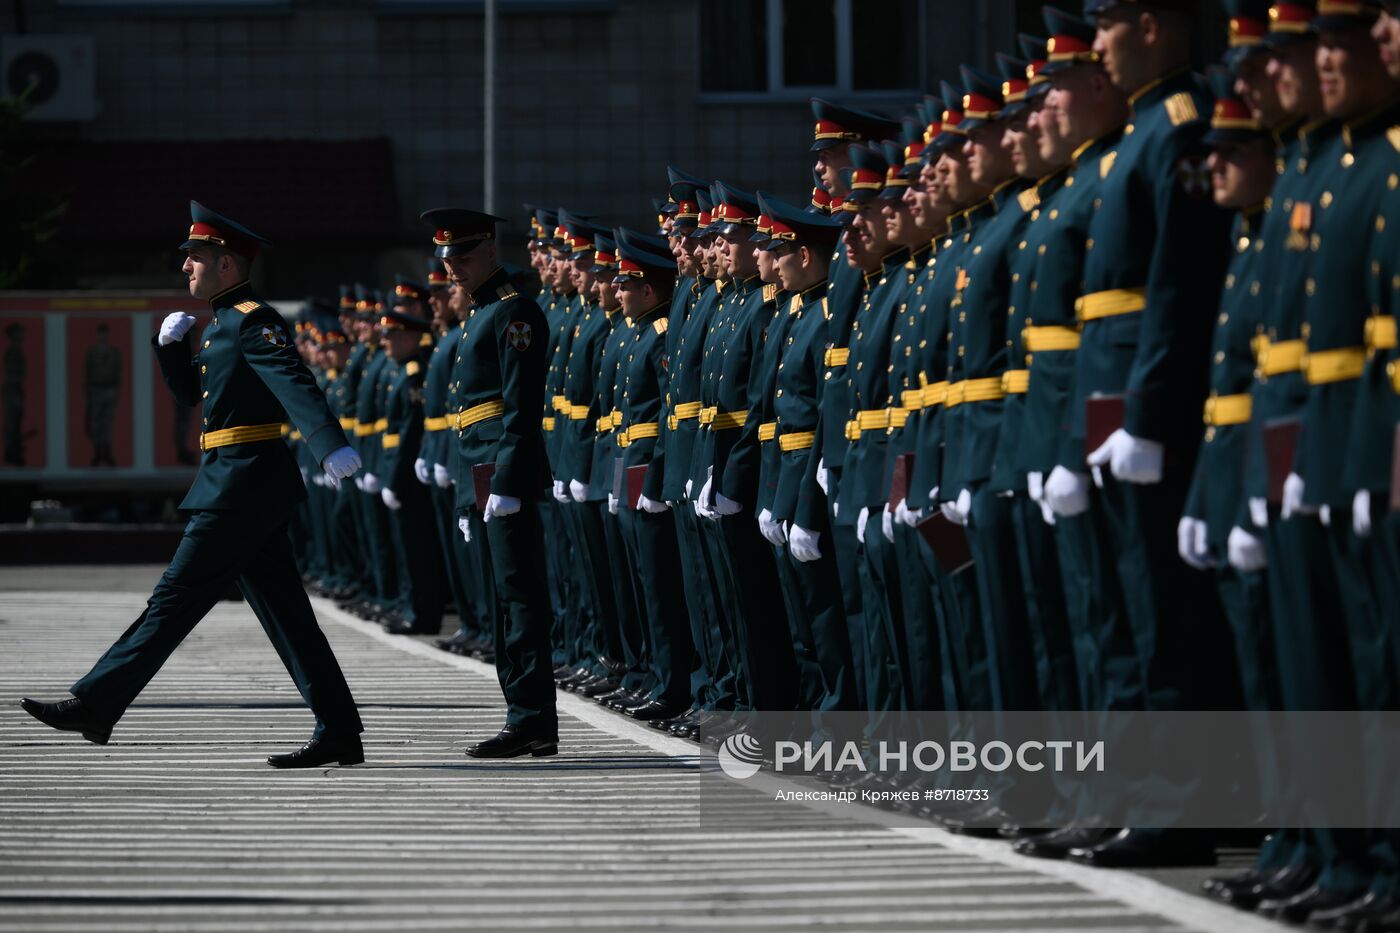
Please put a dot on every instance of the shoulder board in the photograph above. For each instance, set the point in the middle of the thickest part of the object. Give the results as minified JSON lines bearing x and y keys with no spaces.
{"x":661,"y":324}
{"x":247,"y":306}
{"x":412,"y":368}
{"x":770,"y":293}
{"x":1029,"y":199}
{"x":506,"y":291}
{"x":1181,"y":108}
{"x":1393,"y":134}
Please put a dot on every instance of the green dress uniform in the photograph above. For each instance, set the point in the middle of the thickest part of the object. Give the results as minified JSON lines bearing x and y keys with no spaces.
{"x":1040,"y":575}
{"x":249,"y":380}
{"x":651,"y":538}
{"x":1155,"y":266}
{"x":500,"y":368}
{"x":464,"y":577}
{"x":685,"y":345}
{"x":413,"y":522}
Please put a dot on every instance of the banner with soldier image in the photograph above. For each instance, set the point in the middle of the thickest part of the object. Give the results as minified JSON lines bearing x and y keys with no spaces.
{"x":99,"y":391}
{"x":22,"y":414}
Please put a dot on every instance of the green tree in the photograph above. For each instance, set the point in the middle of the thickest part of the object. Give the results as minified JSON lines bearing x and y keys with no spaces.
{"x":31,"y":215}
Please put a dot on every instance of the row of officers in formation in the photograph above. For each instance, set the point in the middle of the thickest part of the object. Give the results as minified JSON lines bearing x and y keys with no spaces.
{"x":1076,"y":388}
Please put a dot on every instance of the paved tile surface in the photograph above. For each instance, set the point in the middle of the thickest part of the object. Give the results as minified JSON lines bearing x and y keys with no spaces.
{"x":179,"y":824}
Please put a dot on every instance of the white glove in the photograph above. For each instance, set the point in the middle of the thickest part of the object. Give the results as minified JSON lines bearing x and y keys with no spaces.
{"x":305,"y":476}
{"x":771,"y":530}
{"x":727,"y":506}
{"x":1259,"y":512}
{"x":341,"y":463}
{"x":174,"y":328}
{"x":500,"y":505}
{"x":805,"y":545}
{"x":1324,"y":515}
{"x":704,"y":503}
{"x":578,"y":490}
{"x":330,"y":481}
{"x":861,"y":521}
{"x":318,"y":479}
{"x":902,"y":513}
{"x":466,"y":527}
{"x":1191,"y":543}
{"x":612,"y":504}
{"x":887,"y":523}
{"x":1035,"y":486}
{"x":560,"y":493}
{"x":420,"y":470}
{"x":957,"y":510}
{"x":1132,"y":459}
{"x":1293,"y":498}
{"x":822,"y":476}
{"x":390,"y":500}
{"x":372,"y":484}
{"x":651,"y":506}
{"x":441,"y":476}
{"x":1361,"y":513}
{"x":688,"y":484}
{"x":1067,"y":492}
{"x":1246,"y":552}
{"x":360,"y":483}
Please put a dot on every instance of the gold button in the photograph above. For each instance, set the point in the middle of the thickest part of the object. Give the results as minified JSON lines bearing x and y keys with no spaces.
{"x":204,"y":369}
{"x":206,"y":394}
{"x":1348,"y":160}
{"x":206,"y":343}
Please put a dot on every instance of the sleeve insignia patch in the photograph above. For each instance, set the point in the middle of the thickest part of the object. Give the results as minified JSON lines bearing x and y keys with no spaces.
{"x":1195,"y":177}
{"x":1181,"y":109}
{"x":273,"y":333}
{"x":246,"y":306}
{"x":519,"y":335}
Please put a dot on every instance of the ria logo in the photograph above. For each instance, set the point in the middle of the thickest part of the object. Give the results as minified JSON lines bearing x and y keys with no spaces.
{"x":740,"y":756}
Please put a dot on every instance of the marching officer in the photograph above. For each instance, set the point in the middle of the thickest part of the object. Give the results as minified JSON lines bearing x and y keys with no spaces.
{"x":249,"y":379}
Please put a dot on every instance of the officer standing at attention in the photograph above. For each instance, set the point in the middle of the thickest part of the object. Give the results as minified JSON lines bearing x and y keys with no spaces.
{"x":250,"y":380}
{"x":500,"y":369}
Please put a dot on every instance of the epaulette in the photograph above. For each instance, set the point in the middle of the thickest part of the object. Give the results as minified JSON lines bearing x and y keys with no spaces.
{"x":247,"y":306}
{"x":661,"y":324}
{"x":1029,"y":199}
{"x":1181,"y":108}
{"x":506,"y":291}
{"x":770,"y":293}
{"x":1393,"y":134}
{"x":412,"y":368}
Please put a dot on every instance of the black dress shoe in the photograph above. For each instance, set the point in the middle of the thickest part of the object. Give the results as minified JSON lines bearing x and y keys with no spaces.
{"x":70,"y":716}
{"x":1135,"y":848}
{"x":345,"y":750}
{"x":1364,"y":910}
{"x":605,"y":698}
{"x":599,"y":687}
{"x":453,"y":642}
{"x":1386,"y":923}
{"x":1300,"y":906}
{"x":512,"y":742}
{"x":1058,"y":843}
{"x":653,"y":709}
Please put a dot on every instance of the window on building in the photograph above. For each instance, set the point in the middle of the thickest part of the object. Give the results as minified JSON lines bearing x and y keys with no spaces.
{"x":799,"y":47}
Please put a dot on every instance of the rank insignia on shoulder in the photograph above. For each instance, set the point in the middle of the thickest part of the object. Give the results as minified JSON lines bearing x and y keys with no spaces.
{"x":1028,"y":199}
{"x":246,"y":306}
{"x":770,"y":293}
{"x":506,"y":291}
{"x":519,"y":335}
{"x":1393,"y":134}
{"x":661,"y":324}
{"x":1181,"y":109}
{"x":412,"y":368}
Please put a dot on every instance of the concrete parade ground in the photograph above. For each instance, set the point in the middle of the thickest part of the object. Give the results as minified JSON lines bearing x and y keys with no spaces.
{"x":179,"y":824}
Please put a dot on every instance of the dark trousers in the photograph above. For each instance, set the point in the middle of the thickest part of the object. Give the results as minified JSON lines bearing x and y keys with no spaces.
{"x":250,"y":547}
{"x":523,"y":666}
{"x":655,"y":554}
{"x":424,"y":576}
